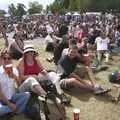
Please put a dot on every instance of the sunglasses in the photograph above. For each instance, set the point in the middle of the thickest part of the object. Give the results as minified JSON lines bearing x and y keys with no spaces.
{"x":7,"y":58}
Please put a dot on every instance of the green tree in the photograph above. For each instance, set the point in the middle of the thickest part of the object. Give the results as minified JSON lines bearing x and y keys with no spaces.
{"x":85,"y":5}
{"x":35,"y":7}
{"x":12,"y":10}
{"x":73,"y":5}
{"x":21,"y":10}
{"x":2,"y":13}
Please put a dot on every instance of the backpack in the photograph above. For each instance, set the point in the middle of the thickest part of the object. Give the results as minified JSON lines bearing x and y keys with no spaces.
{"x":33,"y":113}
{"x":53,"y":109}
{"x":52,"y":106}
{"x":48,"y":108}
{"x":114,"y":76}
{"x":33,"y":108}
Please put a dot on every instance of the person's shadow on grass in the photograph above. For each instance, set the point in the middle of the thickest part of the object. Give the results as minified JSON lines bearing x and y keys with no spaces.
{"x":79,"y":93}
{"x":85,"y":95}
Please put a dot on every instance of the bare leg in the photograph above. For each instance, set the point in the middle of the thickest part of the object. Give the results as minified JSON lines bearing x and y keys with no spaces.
{"x":78,"y":83}
{"x":107,"y":57}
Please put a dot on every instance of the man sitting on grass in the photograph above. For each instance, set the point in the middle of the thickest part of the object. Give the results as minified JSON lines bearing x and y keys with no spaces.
{"x":66,"y":67}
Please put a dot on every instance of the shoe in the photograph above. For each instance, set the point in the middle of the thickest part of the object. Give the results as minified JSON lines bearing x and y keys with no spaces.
{"x":100,"y":90}
{"x":64,"y":99}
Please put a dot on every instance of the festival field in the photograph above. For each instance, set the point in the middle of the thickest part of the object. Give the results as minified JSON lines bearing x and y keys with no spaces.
{"x":91,"y":107}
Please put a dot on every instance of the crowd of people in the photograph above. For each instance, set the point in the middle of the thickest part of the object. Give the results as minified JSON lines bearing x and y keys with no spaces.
{"x":71,"y":41}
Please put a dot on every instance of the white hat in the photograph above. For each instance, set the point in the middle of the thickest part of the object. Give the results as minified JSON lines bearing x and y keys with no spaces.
{"x":28,"y":48}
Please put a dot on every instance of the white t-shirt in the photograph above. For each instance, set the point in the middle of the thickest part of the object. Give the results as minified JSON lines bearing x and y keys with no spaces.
{"x":65,"y":52}
{"x":49,"y":29}
{"x":49,"y":39}
{"x":117,"y":35}
{"x":102,"y":44}
{"x":7,"y":83}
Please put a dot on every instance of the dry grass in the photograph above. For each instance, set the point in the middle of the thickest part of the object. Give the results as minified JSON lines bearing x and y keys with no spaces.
{"x":91,"y":107}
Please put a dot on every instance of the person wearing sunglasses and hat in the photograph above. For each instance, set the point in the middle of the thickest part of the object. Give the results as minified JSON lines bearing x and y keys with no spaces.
{"x":32,"y":74}
{"x":10,"y":100}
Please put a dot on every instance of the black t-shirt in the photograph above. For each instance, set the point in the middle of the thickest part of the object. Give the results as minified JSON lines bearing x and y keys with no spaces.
{"x":58,"y":50}
{"x":63,"y":30}
{"x":68,"y":65}
{"x":91,"y":39}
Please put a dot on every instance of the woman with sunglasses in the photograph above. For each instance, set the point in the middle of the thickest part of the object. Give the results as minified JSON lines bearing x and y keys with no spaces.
{"x":32,"y":74}
{"x":10,"y":100}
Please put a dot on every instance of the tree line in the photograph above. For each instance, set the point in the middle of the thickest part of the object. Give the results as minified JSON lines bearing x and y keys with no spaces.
{"x":63,"y":6}
{"x":84,"y":5}
{"x":20,"y":9}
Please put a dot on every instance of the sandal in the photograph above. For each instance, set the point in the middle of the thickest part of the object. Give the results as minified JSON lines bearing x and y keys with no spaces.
{"x":101,"y":91}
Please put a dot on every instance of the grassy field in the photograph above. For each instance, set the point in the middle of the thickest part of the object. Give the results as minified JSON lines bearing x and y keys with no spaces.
{"x":91,"y":107}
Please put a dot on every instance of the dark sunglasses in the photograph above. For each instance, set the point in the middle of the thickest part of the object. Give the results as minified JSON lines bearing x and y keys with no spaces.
{"x":7,"y":58}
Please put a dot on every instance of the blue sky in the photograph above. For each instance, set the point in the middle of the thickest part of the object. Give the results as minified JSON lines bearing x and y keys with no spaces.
{"x":4,"y":3}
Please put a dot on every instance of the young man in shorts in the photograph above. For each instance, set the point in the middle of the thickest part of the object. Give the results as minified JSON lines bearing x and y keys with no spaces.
{"x":66,"y":67}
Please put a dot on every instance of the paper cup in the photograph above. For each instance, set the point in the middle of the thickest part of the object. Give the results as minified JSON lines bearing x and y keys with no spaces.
{"x":8,"y":68}
{"x":76,"y":114}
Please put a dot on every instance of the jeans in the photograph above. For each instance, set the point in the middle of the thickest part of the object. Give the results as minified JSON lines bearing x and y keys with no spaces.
{"x":20,"y":99}
{"x":118,"y":43}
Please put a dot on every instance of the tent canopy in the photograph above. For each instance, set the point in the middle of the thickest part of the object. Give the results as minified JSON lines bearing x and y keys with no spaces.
{"x":68,"y":13}
{"x":76,"y":14}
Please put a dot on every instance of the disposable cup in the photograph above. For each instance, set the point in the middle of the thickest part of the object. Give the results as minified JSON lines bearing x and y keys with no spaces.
{"x":76,"y":114}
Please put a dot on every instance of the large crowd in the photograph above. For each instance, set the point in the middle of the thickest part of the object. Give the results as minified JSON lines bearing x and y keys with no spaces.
{"x":71,"y":40}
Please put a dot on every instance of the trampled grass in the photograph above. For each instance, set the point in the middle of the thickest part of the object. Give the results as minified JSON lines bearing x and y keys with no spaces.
{"x":91,"y":107}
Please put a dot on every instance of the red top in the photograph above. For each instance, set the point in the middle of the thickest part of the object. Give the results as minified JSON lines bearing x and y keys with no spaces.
{"x":31,"y":69}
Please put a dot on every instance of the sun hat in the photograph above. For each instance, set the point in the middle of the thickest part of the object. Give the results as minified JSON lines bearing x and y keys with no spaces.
{"x":29,"y":48}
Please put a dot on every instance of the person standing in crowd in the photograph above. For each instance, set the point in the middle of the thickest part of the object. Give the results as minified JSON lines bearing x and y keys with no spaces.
{"x":63,"y":29}
{"x":117,"y":36}
{"x":10,"y":100}
{"x":3,"y":32}
{"x":102,"y":43}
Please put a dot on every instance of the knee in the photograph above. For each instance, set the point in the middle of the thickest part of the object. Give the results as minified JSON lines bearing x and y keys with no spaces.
{"x":72,"y":80}
{"x":30,"y":79}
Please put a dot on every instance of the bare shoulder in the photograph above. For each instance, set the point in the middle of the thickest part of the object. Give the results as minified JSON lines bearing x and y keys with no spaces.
{"x":38,"y":61}
{"x":20,"y":62}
